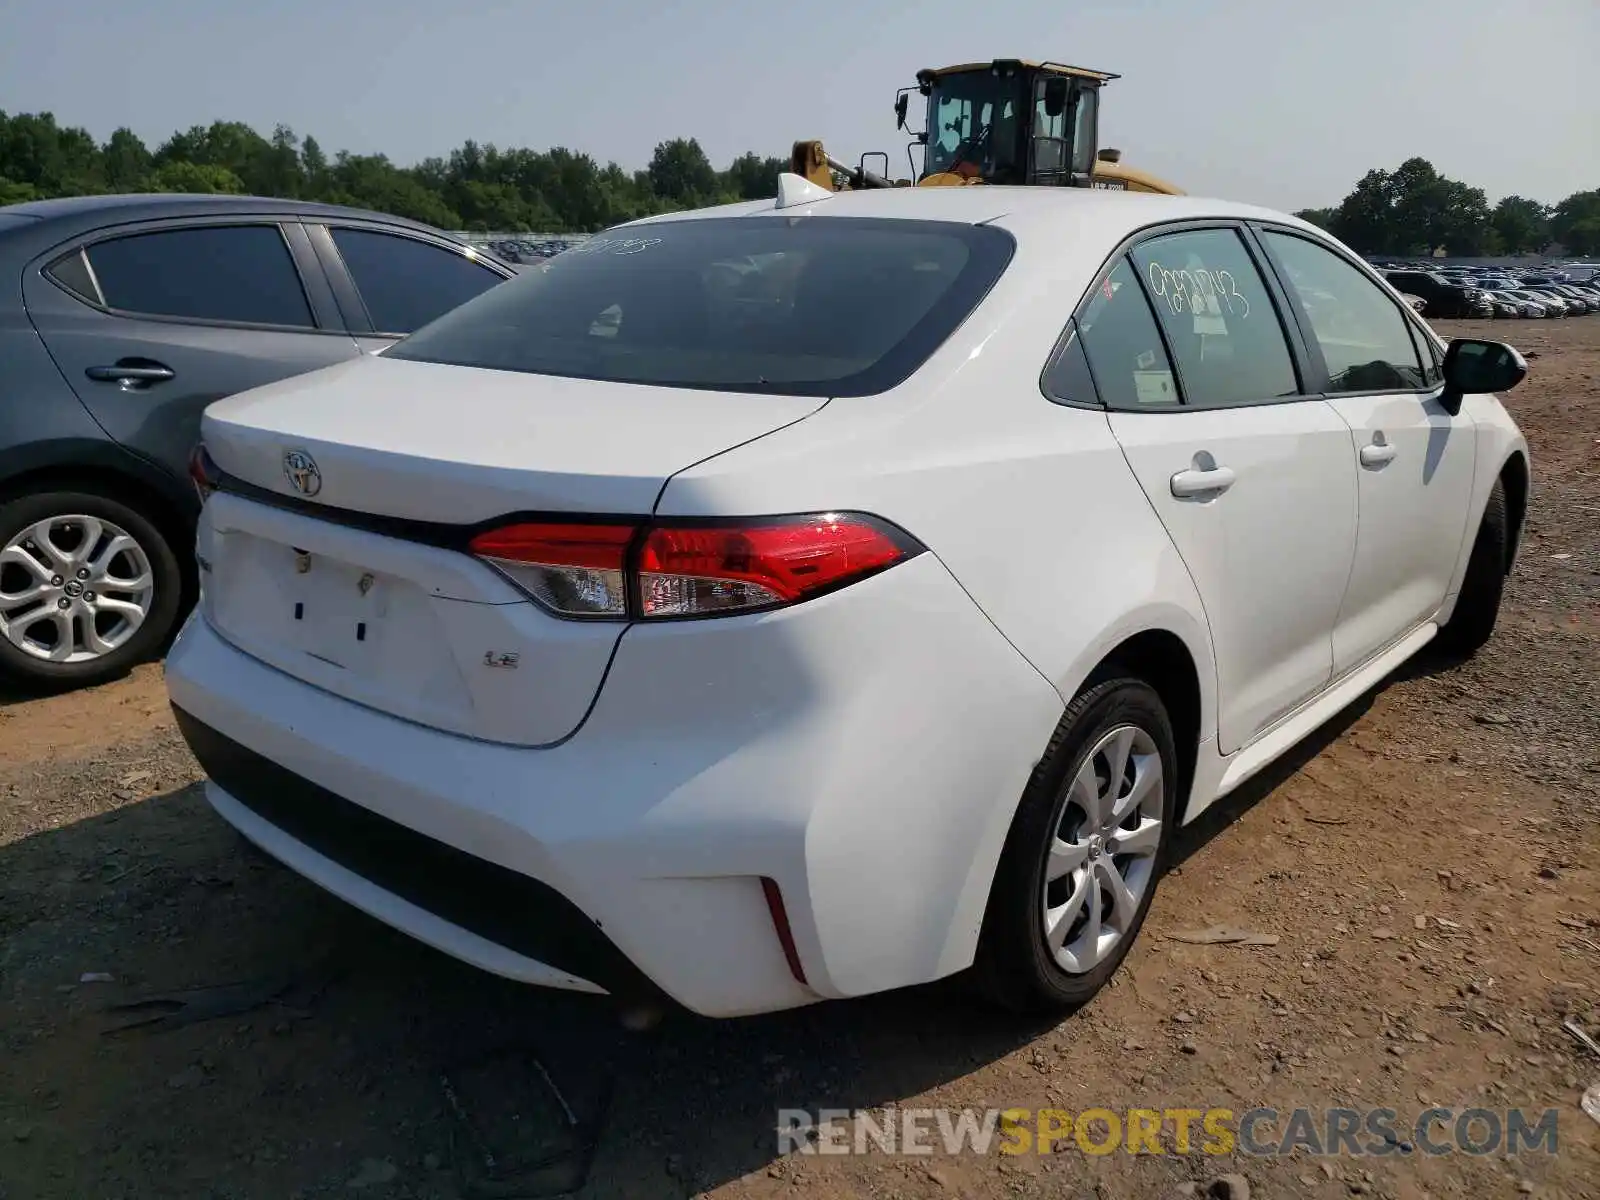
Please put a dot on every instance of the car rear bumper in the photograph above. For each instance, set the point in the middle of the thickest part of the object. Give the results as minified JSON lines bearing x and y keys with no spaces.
{"x":863,"y":751}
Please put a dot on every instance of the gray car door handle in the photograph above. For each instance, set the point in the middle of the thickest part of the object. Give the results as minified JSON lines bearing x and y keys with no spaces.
{"x":1198,"y":483}
{"x":131,"y":375}
{"x":1378,"y":454}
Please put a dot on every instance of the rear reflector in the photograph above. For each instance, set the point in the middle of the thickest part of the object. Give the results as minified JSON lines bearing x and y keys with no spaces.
{"x":697,"y":569}
{"x":780,"y":926}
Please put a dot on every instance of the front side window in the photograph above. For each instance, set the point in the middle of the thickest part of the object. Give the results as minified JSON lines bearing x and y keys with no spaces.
{"x":237,"y":273}
{"x":1123,"y":345}
{"x":813,"y":306}
{"x":405,"y":283}
{"x":1432,"y":360}
{"x":1363,"y":335}
{"x":1219,"y":319}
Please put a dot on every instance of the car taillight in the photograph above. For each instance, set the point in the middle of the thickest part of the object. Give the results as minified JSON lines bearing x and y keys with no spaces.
{"x":700,"y":570}
{"x":572,"y":569}
{"x":691,"y":568}
{"x":203,"y":472}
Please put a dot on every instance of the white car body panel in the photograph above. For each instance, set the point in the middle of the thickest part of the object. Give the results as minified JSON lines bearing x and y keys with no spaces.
{"x":654,"y":773}
{"x":414,"y":439}
{"x":1413,"y":458}
{"x":1218,"y":774}
{"x":1270,"y":583}
{"x":1052,"y":476}
{"x":405,"y":627}
{"x":657,"y":816}
{"x":1499,"y":443}
{"x":433,"y":614}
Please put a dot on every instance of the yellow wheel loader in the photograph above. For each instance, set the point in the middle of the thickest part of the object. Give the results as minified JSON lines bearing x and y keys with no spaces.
{"x":1010,"y":121}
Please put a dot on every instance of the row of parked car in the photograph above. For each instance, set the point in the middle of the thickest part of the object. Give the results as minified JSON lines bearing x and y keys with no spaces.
{"x":522,"y":249}
{"x":1485,"y":292}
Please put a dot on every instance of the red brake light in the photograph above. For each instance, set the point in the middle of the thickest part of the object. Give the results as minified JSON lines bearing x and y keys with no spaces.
{"x":690,"y":570}
{"x":575,"y":569}
{"x":203,"y":471}
{"x":697,"y":570}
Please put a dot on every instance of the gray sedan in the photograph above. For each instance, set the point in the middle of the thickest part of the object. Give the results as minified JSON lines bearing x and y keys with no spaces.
{"x":121,"y":319}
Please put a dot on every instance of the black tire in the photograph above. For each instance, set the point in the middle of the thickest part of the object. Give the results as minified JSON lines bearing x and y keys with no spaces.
{"x":166,"y":597}
{"x":1015,"y":968}
{"x":1478,"y":607}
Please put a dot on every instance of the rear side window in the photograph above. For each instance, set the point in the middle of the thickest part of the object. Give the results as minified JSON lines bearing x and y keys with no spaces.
{"x":1365,"y":339}
{"x":1067,"y":378}
{"x":405,"y":283}
{"x":814,"y":306}
{"x":71,"y":271}
{"x":238,"y":273}
{"x":1219,"y":319}
{"x":1123,"y":345}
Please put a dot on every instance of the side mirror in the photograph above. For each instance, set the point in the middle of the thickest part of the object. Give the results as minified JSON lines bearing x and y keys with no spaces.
{"x":1472,"y":367}
{"x":900,"y":106}
{"x":1055,"y":96}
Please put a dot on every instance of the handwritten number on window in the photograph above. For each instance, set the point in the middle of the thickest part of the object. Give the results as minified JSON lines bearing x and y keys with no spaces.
{"x":1188,"y":290}
{"x":619,"y":246}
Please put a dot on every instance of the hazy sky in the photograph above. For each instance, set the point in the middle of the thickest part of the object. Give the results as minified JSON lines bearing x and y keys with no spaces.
{"x":1284,"y":103}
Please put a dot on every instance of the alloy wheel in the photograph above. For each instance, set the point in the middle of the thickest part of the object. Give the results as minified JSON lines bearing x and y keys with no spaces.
{"x":1102,"y":856}
{"x":73,"y":588}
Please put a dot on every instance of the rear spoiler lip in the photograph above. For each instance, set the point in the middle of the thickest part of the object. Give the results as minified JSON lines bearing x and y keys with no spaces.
{"x":446,"y":535}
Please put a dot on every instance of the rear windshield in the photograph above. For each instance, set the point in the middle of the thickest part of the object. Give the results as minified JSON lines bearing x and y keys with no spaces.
{"x":808,"y":306}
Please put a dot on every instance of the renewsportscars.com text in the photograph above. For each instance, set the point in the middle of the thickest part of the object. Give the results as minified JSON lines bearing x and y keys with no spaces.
{"x":1260,"y":1132}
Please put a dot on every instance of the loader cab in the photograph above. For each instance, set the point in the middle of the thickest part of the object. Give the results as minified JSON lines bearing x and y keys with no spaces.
{"x":1008,"y":121}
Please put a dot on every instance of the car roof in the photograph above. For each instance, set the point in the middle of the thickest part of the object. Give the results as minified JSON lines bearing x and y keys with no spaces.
{"x":74,"y":213}
{"x":978,"y":205}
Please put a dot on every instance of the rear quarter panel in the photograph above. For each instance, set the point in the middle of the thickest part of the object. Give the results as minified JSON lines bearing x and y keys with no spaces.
{"x":1030,"y":504}
{"x":41,"y":422}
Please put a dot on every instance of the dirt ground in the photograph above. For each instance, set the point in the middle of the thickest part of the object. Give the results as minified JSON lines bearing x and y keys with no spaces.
{"x":1427,"y":864}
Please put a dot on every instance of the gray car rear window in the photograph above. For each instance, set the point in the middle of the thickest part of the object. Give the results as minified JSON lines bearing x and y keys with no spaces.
{"x":832,"y":306}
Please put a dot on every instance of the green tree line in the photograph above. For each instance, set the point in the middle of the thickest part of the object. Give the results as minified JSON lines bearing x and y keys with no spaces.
{"x":478,"y":187}
{"x":1411,"y":210}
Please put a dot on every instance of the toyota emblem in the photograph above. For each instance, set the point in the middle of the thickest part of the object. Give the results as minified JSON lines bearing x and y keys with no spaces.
{"x":302,"y":472}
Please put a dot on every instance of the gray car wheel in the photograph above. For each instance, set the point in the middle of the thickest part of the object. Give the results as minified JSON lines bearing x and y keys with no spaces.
{"x":88,"y":588}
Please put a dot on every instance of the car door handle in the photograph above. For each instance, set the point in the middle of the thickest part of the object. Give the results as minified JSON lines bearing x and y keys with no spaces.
{"x":1378,"y":454}
{"x":1198,"y":482}
{"x":132,"y":373}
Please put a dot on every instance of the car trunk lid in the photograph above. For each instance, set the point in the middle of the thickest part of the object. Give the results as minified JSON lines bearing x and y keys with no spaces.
{"x":431,"y":442}
{"x":339,"y":555}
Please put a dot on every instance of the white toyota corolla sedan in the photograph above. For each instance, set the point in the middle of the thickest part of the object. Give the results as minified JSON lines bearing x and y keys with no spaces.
{"x":796,"y":600}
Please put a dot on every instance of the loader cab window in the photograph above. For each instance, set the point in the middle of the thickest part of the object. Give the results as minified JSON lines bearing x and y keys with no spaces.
{"x":974,"y":119}
{"x":1052,"y":139}
{"x":1085,"y":123}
